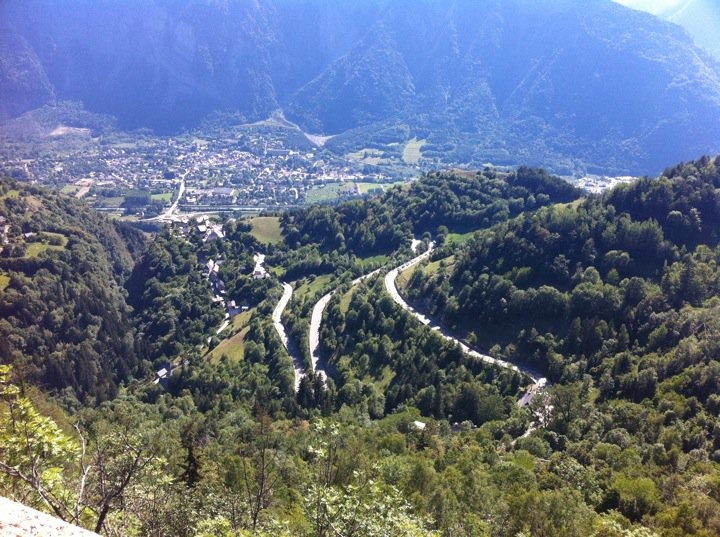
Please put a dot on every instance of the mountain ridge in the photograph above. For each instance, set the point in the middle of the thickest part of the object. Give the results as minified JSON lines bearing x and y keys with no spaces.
{"x":596,"y":87}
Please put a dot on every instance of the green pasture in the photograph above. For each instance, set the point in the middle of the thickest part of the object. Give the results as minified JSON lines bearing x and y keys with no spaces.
{"x":266,"y":229}
{"x":413,"y":151}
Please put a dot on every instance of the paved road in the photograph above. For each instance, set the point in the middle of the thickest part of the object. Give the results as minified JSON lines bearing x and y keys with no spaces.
{"x":316,"y":321}
{"x":168,"y":214}
{"x":538,"y":381}
{"x":280,"y":328}
{"x":391,"y":276}
{"x":314,"y":334}
{"x":223,"y":326}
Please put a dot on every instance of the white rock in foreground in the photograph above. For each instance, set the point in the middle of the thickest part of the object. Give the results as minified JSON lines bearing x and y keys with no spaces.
{"x":17,"y":520}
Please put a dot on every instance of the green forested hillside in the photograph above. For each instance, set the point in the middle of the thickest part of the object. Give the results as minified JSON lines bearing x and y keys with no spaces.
{"x":612,"y":297}
{"x":386,"y":360}
{"x":616,"y":299}
{"x":63,"y":318}
{"x":458,"y":201}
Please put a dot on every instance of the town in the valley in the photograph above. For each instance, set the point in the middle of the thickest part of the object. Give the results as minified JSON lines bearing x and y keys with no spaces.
{"x":230,"y":169}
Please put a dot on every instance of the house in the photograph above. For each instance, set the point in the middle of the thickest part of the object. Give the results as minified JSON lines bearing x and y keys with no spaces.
{"x":232,"y":308}
{"x":211,"y":268}
{"x":223,"y":192}
{"x":277,"y":152}
{"x":213,"y":233}
{"x":162,"y":375}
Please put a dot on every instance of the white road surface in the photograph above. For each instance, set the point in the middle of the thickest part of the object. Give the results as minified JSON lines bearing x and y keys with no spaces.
{"x":316,"y":321}
{"x":538,"y":381}
{"x":168,"y":214}
{"x":280,"y":328}
{"x":314,"y":334}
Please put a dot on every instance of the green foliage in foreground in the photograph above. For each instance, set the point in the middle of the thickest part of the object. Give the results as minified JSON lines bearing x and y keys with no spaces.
{"x":167,"y":470}
{"x":625,"y":324}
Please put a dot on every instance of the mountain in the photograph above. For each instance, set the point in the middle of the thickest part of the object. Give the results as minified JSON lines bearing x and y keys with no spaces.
{"x":700,"y":18}
{"x":577,"y":86}
{"x":24,"y":84}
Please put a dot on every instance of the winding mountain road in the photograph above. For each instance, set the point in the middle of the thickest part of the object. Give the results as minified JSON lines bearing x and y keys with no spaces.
{"x":314,"y":335}
{"x":315,"y":322}
{"x":280,"y":328}
{"x":538,"y":381}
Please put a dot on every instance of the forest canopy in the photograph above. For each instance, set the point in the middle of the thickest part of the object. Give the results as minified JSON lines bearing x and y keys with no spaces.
{"x":612,"y":297}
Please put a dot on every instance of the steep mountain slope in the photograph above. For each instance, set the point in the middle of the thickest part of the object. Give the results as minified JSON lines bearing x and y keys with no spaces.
{"x":614,"y":296}
{"x":64,"y":322}
{"x":574,"y":85}
{"x":591,"y":80}
{"x":700,"y":18}
{"x":24,"y":84}
{"x":620,"y":289}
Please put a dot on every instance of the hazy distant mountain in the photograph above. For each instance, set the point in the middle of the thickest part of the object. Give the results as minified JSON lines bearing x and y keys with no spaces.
{"x":700,"y":18}
{"x":587,"y":83}
{"x":23,"y":82}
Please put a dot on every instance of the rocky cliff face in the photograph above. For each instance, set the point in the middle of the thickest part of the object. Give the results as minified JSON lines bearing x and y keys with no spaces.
{"x":547,"y":79}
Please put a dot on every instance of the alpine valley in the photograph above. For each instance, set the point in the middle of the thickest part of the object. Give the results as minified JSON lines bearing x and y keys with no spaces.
{"x":573,"y":86}
{"x":447,"y":348}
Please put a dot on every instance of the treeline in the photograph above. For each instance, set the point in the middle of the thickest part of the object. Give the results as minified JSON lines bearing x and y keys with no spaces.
{"x":460,"y":201}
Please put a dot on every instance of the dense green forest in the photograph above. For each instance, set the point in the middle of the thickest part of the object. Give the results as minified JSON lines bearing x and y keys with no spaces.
{"x":64,"y":321}
{"x":616,"y":299}
{"x":459,"y":201}
{"x":386,"y":360}
{"x":612,"y":297}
